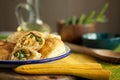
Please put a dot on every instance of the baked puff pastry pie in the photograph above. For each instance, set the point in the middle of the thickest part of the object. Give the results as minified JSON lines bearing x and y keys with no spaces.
{"x":15,"y":36}
{"x":33,"y":40}
{"x":53,"y":47}
{"x":25,"y":53}
{"x":6,"y":49}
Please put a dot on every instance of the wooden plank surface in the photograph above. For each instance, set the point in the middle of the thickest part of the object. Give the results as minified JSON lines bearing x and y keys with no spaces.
{"x":8,"y":74}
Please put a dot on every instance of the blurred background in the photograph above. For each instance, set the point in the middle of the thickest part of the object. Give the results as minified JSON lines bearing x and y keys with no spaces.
{"x":51,"y":11}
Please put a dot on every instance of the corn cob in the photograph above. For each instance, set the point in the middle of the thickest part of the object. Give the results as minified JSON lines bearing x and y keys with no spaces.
{"x":82,"y":70}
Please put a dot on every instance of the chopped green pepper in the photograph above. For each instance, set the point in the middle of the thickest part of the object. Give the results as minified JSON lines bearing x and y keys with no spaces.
{"x":31,"y":35}
{"x":20,"y":54}
{"x":38,"y":39}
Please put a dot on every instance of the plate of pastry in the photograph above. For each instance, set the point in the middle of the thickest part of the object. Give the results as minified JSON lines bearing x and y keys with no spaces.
{"x":31,"y":47}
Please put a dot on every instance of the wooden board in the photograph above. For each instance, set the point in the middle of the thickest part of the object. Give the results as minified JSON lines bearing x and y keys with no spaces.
{"x":8,"y":74}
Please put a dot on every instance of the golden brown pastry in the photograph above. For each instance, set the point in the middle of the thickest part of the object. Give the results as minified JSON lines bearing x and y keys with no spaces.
{"x":33,"y":39}
{"x":5,"y":49}
{"x":25,"y":53}
{"x":53,"y":47}
{"x":53,"y":36}
{"x":15,"y":36}
{"x":32,"y":45}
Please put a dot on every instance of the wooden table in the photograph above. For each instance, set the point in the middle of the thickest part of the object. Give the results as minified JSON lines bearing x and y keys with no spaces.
{"x":8,"y":74}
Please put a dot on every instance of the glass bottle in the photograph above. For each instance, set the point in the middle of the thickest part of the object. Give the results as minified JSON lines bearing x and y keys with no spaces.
{"x":33,"y":22}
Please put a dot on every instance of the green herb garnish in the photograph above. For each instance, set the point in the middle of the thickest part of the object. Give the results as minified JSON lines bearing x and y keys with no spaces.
{"x":81,"y":20}
{"x":20,"y":54}
{"x":38,"y":39}
{"x":101,"y":17}
{"x":31,"y":35}
{"x":73,"y":20}
{"x":92,"y":18}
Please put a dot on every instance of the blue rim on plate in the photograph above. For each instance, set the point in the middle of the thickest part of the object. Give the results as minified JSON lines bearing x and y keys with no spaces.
{"x":68,"y":51}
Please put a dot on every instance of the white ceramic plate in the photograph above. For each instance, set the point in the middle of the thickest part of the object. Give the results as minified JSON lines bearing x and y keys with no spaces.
{"x":12,"y":64}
